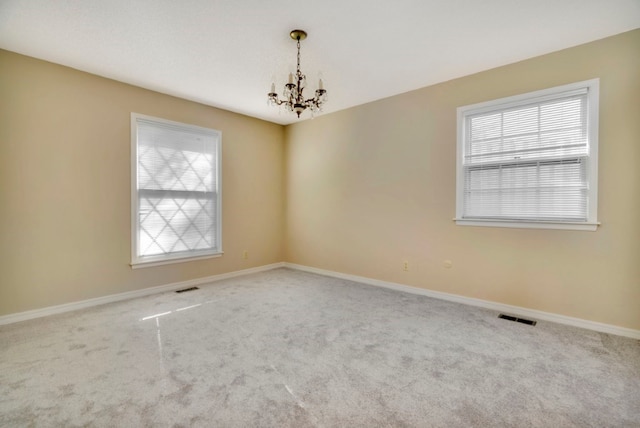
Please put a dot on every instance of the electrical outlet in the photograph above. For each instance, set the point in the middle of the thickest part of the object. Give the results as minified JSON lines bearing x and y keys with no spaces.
{"x":245,"y":254}
{"x":405,"y":265}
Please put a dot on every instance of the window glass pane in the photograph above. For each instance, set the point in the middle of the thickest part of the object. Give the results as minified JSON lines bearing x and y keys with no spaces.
{"x":173,"y":223}
{"x":551,"y":129}
{"x":521,"y":121}
{"x":553,"y":190}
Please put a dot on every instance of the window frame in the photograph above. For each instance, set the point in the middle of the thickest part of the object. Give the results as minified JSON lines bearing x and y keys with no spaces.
{"x":182,"y":256}
{"x":464,"y":112}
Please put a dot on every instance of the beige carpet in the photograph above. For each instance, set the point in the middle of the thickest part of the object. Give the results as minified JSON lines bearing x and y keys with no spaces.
{"x":293,"y":349}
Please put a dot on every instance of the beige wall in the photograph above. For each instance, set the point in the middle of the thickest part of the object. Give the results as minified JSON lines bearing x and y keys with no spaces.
{"x":359,"y":191}
{"x":372,"y":186}
{"x":65,"y":186}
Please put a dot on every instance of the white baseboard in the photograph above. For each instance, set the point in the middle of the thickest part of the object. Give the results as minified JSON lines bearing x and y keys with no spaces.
{"x":499,"y":307}
{"x":67,"y":307}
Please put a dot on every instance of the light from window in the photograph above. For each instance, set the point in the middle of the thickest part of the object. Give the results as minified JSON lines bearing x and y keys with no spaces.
{"x":530,"y":160}
{"x":175,"y":191}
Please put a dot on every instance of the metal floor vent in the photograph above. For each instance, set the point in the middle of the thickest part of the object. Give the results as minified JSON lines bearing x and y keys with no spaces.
{"x":520,"y":320}
{"x":187,"y":289}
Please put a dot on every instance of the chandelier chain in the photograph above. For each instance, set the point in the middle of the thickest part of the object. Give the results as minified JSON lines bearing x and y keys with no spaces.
{"x":298,"y":69}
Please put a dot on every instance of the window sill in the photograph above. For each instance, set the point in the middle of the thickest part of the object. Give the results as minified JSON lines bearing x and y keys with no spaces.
{"x":528,"y":224}
{"x":159,"y":261}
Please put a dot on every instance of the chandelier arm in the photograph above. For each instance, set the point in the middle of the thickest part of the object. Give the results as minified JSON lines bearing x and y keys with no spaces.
{"x":316,"y":98}
{"x":273,"y":97}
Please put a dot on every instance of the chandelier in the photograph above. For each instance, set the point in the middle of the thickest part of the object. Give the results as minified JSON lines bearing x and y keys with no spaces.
{"x":293,"y":98}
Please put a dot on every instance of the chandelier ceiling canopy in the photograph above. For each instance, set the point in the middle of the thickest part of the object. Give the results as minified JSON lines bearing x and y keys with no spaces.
{"x":293,"y":98}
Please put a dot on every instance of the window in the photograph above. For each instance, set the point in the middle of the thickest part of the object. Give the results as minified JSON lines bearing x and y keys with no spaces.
{"x":530,"y":160}
{"x":175,"y":191}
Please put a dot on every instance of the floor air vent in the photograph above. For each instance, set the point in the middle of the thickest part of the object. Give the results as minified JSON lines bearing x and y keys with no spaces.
{"x":187,"y":289}
{"x":520,"y":320}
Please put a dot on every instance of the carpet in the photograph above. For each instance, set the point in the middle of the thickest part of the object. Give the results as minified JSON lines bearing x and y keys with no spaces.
{"x":286,"y":348}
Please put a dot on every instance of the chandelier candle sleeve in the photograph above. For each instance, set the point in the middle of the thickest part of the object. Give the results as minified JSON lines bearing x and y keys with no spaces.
{"x":293,"y":98}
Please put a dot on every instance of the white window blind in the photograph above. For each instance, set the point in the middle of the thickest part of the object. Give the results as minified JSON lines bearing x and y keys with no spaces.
{"x":177,"y":169}
{"x":530,"y":159}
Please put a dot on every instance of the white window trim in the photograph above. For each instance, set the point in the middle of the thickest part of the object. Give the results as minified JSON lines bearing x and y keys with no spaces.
{"x":159,"y":260}
{"x":592,"y":223}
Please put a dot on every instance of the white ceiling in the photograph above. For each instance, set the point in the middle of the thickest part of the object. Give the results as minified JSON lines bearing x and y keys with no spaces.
{"x":225,"y":53}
